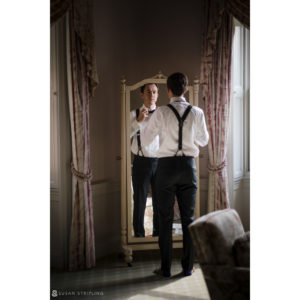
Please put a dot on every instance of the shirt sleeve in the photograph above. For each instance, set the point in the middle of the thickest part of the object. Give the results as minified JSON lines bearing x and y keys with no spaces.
{"x":202,"y":135}
{"x":151,"y":130}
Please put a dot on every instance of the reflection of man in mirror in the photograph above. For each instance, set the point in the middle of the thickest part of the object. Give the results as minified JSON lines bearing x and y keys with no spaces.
{"x":181,"y":128}
{"x":145,"y":160}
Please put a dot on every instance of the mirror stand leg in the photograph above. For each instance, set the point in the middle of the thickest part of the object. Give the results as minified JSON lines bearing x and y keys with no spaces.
{"x":127,"y":251}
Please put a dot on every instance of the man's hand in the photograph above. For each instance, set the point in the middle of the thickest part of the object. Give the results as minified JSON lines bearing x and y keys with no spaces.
{"x":142,"y":115}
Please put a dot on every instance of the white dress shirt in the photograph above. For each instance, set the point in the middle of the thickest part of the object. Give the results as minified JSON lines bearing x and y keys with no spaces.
{"x":165,"y":124}
{"x":151,"y":149}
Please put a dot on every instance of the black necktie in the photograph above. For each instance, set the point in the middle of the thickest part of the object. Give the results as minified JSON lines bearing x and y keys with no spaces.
{"x":151,"y":111}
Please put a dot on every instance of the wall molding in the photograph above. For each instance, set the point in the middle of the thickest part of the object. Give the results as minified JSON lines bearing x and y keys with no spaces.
{"x":106,"y":186}
{"x":241,"y":182}
{"x":107,"y":238}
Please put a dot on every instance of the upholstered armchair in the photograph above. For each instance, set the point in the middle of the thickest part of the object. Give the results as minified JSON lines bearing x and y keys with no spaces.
{"x":223,"y":250}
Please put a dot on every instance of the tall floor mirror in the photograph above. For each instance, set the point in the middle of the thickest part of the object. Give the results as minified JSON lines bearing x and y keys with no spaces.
{"x":131,"y":100}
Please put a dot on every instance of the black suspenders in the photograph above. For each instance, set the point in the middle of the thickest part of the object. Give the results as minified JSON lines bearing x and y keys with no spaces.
{"x":138,"y":136}
{"x":180,"y":124}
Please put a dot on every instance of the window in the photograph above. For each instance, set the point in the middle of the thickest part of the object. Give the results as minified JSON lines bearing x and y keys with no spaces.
{"x":238,"y":155}
{"x":240,"y":109}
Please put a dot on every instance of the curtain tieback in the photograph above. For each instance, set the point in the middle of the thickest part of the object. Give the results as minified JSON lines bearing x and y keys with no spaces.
{"x":79,"y":175}
{"x":217,"y":168}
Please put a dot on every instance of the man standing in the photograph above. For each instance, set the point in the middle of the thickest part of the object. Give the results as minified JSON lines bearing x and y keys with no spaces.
{"x":145,"y":161}
{"x":181,"y":127}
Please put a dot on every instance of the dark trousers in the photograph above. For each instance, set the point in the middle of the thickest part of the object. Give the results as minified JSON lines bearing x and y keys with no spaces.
{"x":176,"y":176}
{"x":143,"y":174}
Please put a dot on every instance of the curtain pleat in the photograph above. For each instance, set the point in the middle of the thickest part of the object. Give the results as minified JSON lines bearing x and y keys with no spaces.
{"x":82,"y":11}
{"x":82,"y":244}
{"x":83,"y":26}
{"x":215,"y":78}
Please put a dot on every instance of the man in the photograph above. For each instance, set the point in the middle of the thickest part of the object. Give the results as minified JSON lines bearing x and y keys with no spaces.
{"x":145,"y":161}
{"x":180,"y":127}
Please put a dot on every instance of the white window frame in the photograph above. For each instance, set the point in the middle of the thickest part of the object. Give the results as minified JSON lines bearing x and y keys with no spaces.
{"x":238,"y":154}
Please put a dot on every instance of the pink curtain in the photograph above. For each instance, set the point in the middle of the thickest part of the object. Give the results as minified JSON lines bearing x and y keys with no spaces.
{"x":81,"y":83}
{"x":215,"y":78}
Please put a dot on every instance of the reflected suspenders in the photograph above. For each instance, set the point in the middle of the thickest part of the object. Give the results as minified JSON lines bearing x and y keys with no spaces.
{"x":180,"y":124}
{"x":138,"y":136}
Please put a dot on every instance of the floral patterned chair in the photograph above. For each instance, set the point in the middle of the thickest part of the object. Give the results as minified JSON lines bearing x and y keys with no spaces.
{"x":223,"y":250}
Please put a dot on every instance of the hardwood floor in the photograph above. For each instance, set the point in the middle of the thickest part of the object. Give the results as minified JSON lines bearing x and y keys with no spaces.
{"x":113,"y":279}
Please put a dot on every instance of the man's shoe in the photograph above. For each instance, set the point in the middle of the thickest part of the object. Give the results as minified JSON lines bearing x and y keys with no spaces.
{"x":188,"y":273}
{"x":162,"y":273}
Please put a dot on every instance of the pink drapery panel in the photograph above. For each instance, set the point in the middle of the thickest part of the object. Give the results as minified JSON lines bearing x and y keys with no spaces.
{"x":83,"y":26}
{"x":58,"y":8}
{"x":82,"y":244}
{"x":215,"y":78}
{"x":240,"y":9}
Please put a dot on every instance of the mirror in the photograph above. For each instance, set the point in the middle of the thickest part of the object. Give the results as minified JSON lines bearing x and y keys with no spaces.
{"x":138,"y":213}
{"x":130,"y":101}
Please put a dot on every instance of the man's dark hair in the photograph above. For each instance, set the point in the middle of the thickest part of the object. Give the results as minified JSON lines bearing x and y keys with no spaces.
{"x":177,"y":83}
{"x":143,"y":87}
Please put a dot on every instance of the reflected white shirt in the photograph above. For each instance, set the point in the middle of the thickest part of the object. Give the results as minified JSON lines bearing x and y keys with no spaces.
{"x":165,"y":124}
{"x":151,"y":149}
